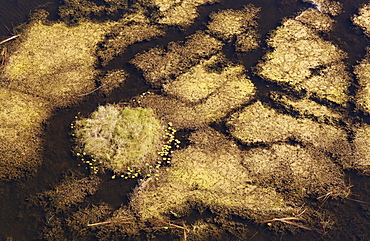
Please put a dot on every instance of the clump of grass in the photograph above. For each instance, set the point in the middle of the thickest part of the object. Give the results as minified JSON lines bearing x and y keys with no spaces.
{"x":126,"y":140}
{"x":21,"y":117}
{"x":239,"y":25}
{"x":56,"y":61}
{"x":160,"y":65}
{"x":327,"y":6}
{"x":362,"y":19}
{"x":298,"y":51}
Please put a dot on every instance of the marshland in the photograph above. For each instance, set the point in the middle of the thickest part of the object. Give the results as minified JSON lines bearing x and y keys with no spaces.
{"x":184,"y":120}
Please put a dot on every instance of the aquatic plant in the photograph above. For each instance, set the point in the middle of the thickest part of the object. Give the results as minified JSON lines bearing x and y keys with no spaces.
{"x":161,"y":65}
{"x":21,"y":117}
{"x":207,"y":174}
{"x":240,"y":25}
{"x":258,"y":123}
{"x":128,"y":141}
{"x":303,"y":61}
{"x":174,"y":12}
{"x":56,"y":61}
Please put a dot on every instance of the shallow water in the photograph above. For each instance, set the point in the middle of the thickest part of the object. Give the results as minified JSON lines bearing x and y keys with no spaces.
{"x":22,"y":222}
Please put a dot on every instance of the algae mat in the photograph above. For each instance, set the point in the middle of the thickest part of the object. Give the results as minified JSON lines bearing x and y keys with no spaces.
{"x":254,"y":130}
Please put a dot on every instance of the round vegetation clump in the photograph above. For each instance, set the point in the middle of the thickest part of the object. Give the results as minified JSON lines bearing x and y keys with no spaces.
{"x":128,"y":141}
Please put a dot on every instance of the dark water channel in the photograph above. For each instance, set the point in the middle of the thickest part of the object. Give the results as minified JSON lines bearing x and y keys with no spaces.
{"x":21,"y":221}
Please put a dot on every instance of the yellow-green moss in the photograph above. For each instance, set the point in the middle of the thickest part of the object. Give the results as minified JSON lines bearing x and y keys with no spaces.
{"x":175,"y":12}
{"x":316,"y":20}
{"x":21,"y":118}
{"x":235,"y":91}
{"x":132,"y":28}
{"x":362,"y":19}
{"x":207,"y":173}
{"x":161,"y":65}
{"x":296,"y":171}
{"x":229,"y":23}
{"x":361,"y":160}
{"x":327,"y":6}
{"x":306,"y":108}
{"x":257,"y":123}
{"x":55,"y":61}
{"x":120,"y":139}
{"x":298,"y":50}
{"x":363,"y":74}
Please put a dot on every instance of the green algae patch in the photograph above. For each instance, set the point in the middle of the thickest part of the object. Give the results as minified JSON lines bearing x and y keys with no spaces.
{"x":259,"y":124}
{"x":132,"y":28}
{"x":235,"y":90}
{"x":121,"y":139}
{"x":55,"y":61}
{"x":208,"y":173}
{"x":21,"y":117}
{"x":173,"y":12}
{"x":361,"y":158}
{"x":295,"y":171}
{"x":160,"y":65}
{"x":306,"y":108}
{"x":238,"y":25}
{"x":298,"y":51}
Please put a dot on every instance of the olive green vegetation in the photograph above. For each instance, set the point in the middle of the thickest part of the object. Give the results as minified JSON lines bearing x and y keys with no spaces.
{"x":296,"y":172}
{"x":361,"y":159}
{"x":257,"y":123}
{"x":122,"y":139}
{"x":56,"y":62}
{"x":21,"y":118}
{"x":306,"y":108}
{"x":173,"y":12}
{"x":76,"y":10}
{"x":362,"y":19}
{"x":208,"y":174}
{"x":68,"y":193}
{"x":240,"y":25}
{"x":361,"y":70}
{"x":132,"y":28}
{"x":160,"y":65}
{"x":327,"y":6}
{"x":112,"y":80}
{"x":316,"y":20}
{"x":302,"y":60}
{"x":197,"y":100}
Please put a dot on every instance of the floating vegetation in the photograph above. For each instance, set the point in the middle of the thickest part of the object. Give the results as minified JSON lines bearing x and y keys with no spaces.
{"x":177,"y":12}
{"x":21,"y":117}
{"x":129,"y":141}
{"x":208,"y":173}
{"x":303,"y":61}
{"x":56,"y":62}
{"x":257,"y":123}
{"x":130,"y":29}
{"x":239,"y":25}
{"x":160,"y":65}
